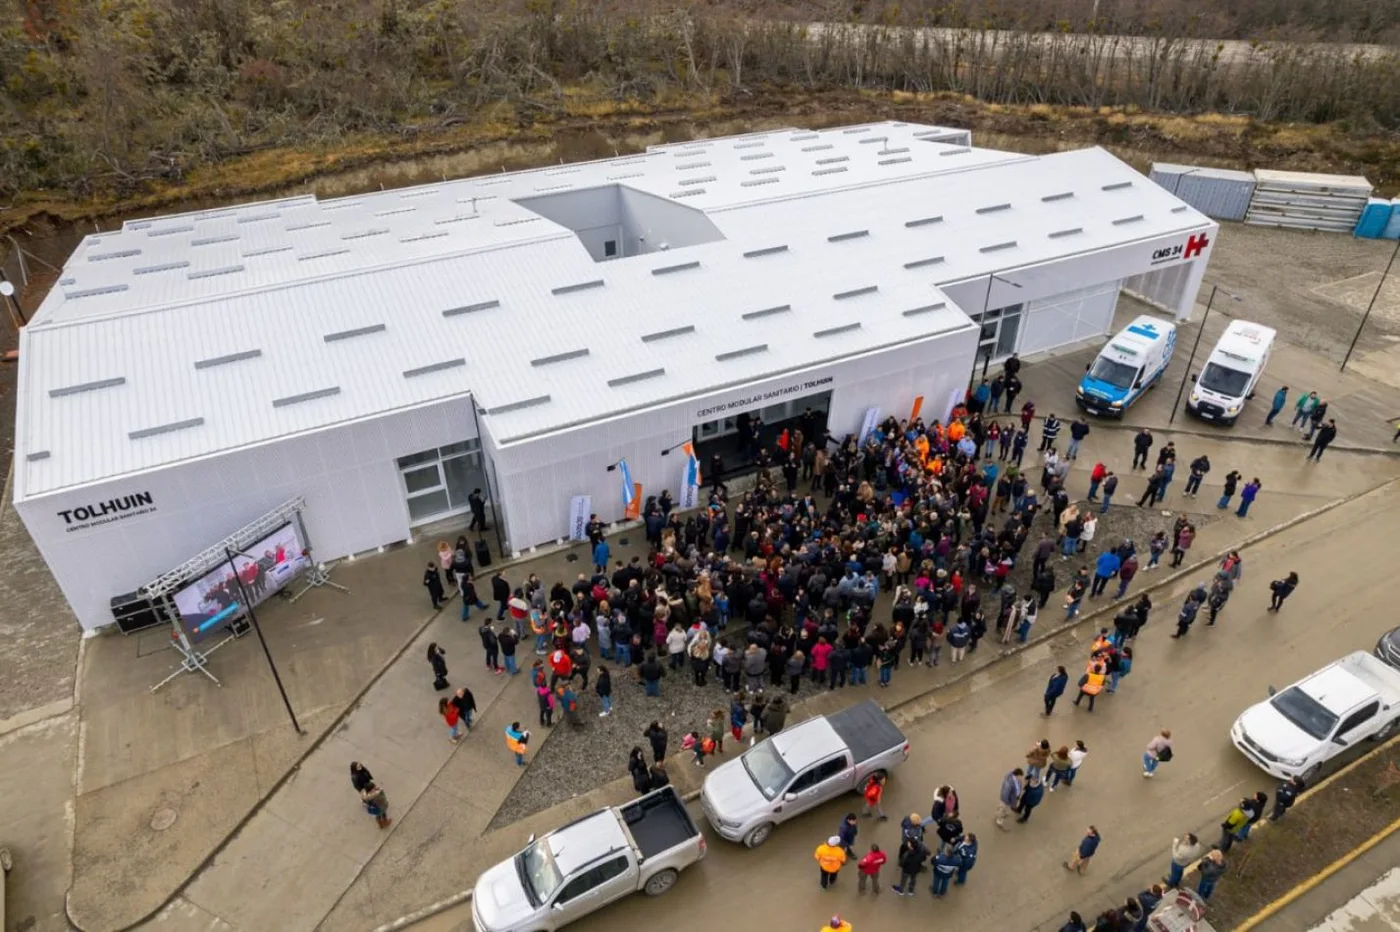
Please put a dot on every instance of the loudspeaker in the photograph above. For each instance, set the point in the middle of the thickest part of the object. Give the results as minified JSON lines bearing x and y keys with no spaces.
{"x":134,"y":612}
{"x":483,"y":554}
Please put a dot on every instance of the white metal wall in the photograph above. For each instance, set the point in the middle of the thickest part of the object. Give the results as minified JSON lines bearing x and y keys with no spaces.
{"x":1068,"y":318}
{"x":537,"y":478}
{"x":348,"y":475}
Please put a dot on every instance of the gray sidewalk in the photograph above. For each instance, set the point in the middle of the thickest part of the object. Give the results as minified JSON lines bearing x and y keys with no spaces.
{"x":1364,"y":896}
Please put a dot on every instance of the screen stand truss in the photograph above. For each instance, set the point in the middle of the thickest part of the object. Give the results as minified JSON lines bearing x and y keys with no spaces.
{"x":194,"y":661}
{"x":319,"y":575}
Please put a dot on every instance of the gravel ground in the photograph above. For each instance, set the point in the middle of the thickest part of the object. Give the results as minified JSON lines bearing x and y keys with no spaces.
{"x":568,"y":762}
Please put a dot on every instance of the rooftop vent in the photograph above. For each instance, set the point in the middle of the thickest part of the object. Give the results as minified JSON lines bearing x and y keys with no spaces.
{"x":356,"y":332}
{"x":834,"y":170}
{"x":765,"y":251}
{"x":471,"y":308}
{"x":38,"y":455}
{"x":682,"y":267}
{"x":955,"y":152}
{"x":94,"y":292}
{"x":819,"y":147}
{"x":667,"y":334}
{"x":104,"y":256}
{"x":691,"y":193}
{"x":704,"y":179}
{"x":213,"y":273}
{"x":421,"y":192}
{"x":855,"y":292}
{"x":563,"y":171}
{"x":755,"y":156}
{"x":842,"y":237}
{"x":554,"y":187}
{"x":308,"y":226}
{"x":856,"y":129}
{"x":924,"y":263}
{"x":748,"y":145}
{"x":925,"y":309}
{"x":396,"y":210}
{"x":767,"y":312}
{"x":923,"y":222}
{"x":322,"y":255}
{"x":832,"y":160}
{"x":171,"y":231}
{"x":165,"y":428}
{"x":502,"y":223}
{"x":767,"y":170}
{"x":746,"y":351}
{"x":211,"y":240}
{"x":1177,"y":210}
{"x":1062,"y":196}
{"x":226,"y":359}
{"x":423,"y":236}
{"x":341,"y":205}
{"x":801,"y":136}
{"x":833,"y":331}
{"x":896,"y":161}
{"x":995,"y":208}
{"x":1118,"y":186}
{"x":686,"y":167}
{"x":581,"y":286}
{"x":162,"y":267}
{"x":752,"y":182}
{"x":265,"y":251}
{"x":640,"y":174}
{"x":518,"y":405}
{"x":434,"y":367}
{"x":559,"y":357}
{"x":258,"y":218}
{"x":458,"y":219}
{"x":365,"y":234}
{"x":901,"y":149}
{"x":1072,"y":231}
{"x":639,"y":377}
{"x":1123,"y":221}
{"x":305,"y":396}
{"x":998,"y":247}
{"x":86,"y":387}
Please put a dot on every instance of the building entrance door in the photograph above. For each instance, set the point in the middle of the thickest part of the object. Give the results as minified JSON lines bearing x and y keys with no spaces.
{"x":438,"y":482}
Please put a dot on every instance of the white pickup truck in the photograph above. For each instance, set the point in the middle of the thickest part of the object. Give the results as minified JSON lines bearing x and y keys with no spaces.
{"x":1300,"y":728}
{"x":589,"y":863}
{"x":800,"y":768}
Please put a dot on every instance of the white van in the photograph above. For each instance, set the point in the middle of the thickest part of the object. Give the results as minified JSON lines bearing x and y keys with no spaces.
{"x":1127,"y":366}
{"x":1232,"y":372}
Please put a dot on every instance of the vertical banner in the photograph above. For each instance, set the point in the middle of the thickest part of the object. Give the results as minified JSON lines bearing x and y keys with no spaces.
{"x":631,"y":493}
{"x":872,"y":419}
{"x":690,"y":487}
{"x":580,"y":507}
{"x":918,"y":406}
{"x":955,"y":398}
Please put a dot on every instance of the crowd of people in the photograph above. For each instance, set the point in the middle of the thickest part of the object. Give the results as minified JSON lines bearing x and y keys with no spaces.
{"x":936,"y":517}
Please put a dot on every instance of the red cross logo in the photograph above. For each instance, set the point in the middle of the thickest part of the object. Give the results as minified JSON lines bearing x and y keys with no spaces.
{"x":1196,"y":245}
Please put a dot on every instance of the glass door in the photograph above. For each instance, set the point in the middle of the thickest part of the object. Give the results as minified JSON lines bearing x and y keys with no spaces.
{"x":437,"y":482}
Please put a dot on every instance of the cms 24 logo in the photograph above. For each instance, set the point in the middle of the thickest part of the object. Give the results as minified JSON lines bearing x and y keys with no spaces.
{"x":1193,"y":247}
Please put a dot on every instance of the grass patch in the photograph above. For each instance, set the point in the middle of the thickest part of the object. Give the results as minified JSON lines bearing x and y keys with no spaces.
{"x":1319,"y":830}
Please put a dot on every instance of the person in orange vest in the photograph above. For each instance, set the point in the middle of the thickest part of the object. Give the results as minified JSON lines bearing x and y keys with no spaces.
{"x":1092,"y":683}
{"x":830,"y":857}
{"x":517,"y":739}
{"x":837,"y":924}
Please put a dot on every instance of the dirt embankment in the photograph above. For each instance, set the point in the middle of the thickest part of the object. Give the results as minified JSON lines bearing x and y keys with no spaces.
{"x":586,"y":127}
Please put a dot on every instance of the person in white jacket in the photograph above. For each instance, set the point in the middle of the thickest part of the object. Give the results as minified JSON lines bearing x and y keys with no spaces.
{"x":1186,"y":851}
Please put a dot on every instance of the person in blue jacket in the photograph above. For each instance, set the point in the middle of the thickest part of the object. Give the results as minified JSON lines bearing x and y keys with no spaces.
{"x":1105,"y":568}
{"x":945,"y":865}
{"x":1280,"y":399}
{"x":967,"y":857}
{"x":1055,"y":688}
{"x":601,"y":553}
{"x":1088,"y":845}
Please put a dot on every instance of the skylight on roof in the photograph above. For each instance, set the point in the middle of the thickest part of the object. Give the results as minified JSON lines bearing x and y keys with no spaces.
{"x":767,"y":312}
{"x":435,"y":367}
{"x":356,"y":332}
{"x":638,"y":377}
{"x":305,"y":396}
{"x":579,"y":286}
{"x":559,"y":357}
{"x":667,"y":334}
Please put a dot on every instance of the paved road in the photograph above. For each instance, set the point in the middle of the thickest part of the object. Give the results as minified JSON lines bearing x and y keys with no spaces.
{"x":969,"y":735}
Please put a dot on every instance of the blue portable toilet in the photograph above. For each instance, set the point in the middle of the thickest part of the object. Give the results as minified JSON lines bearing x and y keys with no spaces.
{"x":1374,"y":218}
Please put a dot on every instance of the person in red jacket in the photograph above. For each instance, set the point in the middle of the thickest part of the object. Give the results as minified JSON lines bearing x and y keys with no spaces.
{"x":874,"y":792}
{"x":561,"y":666}
{"x":869,"y":867}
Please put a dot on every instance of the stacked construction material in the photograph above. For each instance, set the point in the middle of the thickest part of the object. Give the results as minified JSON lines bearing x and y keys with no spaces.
{"x":1215,"y":192}
{"x":1305,"y":201}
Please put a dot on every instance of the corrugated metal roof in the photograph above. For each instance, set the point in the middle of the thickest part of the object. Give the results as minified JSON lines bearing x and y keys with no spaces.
{"x":199,"y":365}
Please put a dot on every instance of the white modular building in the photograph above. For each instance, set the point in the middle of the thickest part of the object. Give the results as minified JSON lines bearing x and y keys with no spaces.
{"x":381,"y":356}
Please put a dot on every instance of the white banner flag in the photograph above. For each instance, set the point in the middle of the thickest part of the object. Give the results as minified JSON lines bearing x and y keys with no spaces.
{"x":580,"y":507}
{"x":872,"y":420}
{"x":690,"y":495}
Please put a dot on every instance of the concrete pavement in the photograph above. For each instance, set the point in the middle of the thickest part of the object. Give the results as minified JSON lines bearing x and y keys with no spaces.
{"x":970,"y":734}
{"x":1364,"y":896}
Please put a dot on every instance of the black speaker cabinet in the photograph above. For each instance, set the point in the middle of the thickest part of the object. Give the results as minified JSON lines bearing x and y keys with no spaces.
{"x":133,"y":612}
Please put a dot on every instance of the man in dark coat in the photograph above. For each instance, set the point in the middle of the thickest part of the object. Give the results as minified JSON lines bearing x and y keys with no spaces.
{"x":432,"y":580}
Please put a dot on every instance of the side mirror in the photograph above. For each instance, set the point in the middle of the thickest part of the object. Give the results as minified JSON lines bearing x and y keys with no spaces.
{"x":1193,"y":376}
{"x":1272,"y":690}
{"x":1137,"y":384}
{"x":557,"y":906}
{"x":1339,"y":740}
{"x":1088,"y":366}
{"x":789,"y":797}
{"x":531,"y":839}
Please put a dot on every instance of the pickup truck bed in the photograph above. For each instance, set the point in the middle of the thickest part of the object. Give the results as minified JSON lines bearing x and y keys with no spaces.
{"x":658,"y":822}
{"x":866,"y":729}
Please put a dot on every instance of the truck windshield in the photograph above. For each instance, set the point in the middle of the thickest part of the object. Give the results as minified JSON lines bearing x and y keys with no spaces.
{"x":1305,"y":712}
{"x":1222,"y":380}
{"x":767,"y":769}
{"x":1117,"y":374}
{"x":539,"y":875}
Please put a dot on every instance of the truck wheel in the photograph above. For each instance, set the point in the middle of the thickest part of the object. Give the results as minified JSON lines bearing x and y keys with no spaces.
{"x":1385,"y":731}
{"x":758,"y":835}
{"x":659,"y":883}
{"x":1311,"y":773}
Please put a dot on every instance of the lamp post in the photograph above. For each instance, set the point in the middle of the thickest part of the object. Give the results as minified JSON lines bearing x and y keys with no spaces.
{"x":257,"y":629}
{"x":1364,"y":317}
{"x":986,"y":306}
{"x":1196,"y":345}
